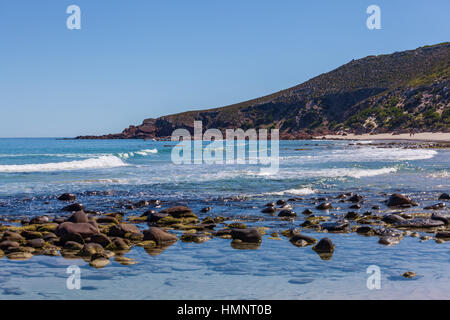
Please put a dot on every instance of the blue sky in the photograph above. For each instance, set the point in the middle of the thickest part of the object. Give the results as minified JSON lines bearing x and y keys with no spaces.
{"x":137,"y":59}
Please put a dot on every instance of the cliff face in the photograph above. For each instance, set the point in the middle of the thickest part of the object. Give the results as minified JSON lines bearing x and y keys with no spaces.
{"x":397,"y":92}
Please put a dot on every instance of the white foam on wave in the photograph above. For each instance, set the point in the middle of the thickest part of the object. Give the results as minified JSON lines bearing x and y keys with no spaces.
{"x":325,"y":173}
{"x":298,"y":192}
{"x":439,"y":174}
{"x":365,"y":154}
{"x":91,"y":163}
{"x":144,"y":152}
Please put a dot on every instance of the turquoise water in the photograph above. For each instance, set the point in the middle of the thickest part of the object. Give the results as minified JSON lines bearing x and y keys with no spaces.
{"x":105,"y":174}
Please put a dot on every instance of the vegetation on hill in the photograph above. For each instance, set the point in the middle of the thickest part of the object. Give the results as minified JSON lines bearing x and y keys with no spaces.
{"x":400,"y":92}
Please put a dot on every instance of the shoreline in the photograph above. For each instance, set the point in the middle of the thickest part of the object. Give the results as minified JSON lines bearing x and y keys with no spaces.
{"x":441,"y":137}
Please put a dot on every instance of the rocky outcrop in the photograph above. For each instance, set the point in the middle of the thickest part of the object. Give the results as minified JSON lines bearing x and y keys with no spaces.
{"x":396,"y":92}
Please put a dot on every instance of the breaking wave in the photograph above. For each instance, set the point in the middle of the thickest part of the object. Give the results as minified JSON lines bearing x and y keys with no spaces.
{"x":92,"y":163}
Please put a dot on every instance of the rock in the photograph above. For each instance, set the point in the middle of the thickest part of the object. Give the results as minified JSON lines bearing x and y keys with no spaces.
{"x":205,"y":210}
{"x":355,"y":198}
{"x":91,"y":248}
{"x":307,"y":212}
{"x":442,"y":217}
{"x":40,"y":220}
{"x":399,"y":200}
{"x":338,"y":226}
{"x":281,"y":202}
{"x":101,"y":239}
{"x":118,"y":244}
{"x":155,"y":217}
{"x":67,"y":197}
{"x":99,"y":263}
{"x":19,"y":255}
{"x":148,"y":212}
{"x":59,"y":220}
{"x":78,"y":217}
{"x":351,"y":215}
{"x":28,"y":234}
{"x":365,"y":230}
{"x":393,"y":219}
{"x":73,"y":207}
{"x":324,"y":206}
{"x":444,"y":196}
{"x":75,"y":237}
{"x":121,"y":229}
{"x":355,"y":206}
{"x":237,"y":225}
{"x":287,"y":213}
{"x":36,"y":243}
{"x":179,"y":212}
{"x":376,"y":208}
{"x":324,"y":246}
{"x":420,"y":223}
{"x":443,"y":235}
{"x":141,"y":203}
{"x":124,"y":260}
{"x":107,"y":219}
{"x":389,"y":241}
{"x":159,"y":236}
{"x":72,"y":245}
{"x":270,"y":204}
{"x":270,"y":210}
{"x":8,"y":243}
{"x":437,"y":206}
{"x":300,"y":240}
{"x":197,"y":238}
{"x":246,"y":235}
{"x":13,"y":236}
{"x":84,"y":229}
{"x":409,"y":274}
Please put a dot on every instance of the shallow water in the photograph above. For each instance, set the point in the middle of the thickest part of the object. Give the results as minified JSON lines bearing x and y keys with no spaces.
{"x":106,"y":173}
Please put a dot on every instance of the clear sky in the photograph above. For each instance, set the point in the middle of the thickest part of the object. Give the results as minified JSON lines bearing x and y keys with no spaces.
{"x":137,"y":59}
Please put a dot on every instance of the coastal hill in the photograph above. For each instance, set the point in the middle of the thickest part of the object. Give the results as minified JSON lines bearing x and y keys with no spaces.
{"x":399,"y":92}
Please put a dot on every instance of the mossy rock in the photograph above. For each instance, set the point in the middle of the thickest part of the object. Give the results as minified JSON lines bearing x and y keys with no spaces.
{"x":274,"y":238}
{"x":50,"y":252}
{"x":262,"y":230}
{"x":237,"y":225}
{"x":48,"y":227}
{"x":136,"y":219}
{"x":99,"y":263}
{"x":169,"y":220}
{"x":290,"y":233}
{"x":133,"y":236}
{"x":21,"y":256}
{"x":219,"y":219}
{"x":146,"y":244}
{"x":197,"y":238}
{"x":1,"y":253}
{"x":125,"y":261}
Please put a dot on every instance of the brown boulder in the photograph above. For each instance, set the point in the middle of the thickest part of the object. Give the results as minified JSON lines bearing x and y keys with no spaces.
{"x":158,"y":235}
{"x":84,"y":229}
{"x":78,"y":217}
{"x":180,"y":212}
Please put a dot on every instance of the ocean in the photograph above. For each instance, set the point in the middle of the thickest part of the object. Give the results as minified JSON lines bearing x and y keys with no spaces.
{"x":108,"y":175}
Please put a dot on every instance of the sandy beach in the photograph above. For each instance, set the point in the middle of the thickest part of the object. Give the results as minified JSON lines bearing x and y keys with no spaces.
{"x":423,"y":136}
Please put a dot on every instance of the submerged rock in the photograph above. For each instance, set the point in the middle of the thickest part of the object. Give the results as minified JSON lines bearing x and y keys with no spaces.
{"x":300,"y":240}
{"x":324,"y":206}
{"x":409,"y":274}
{"x":67,"y":197}
{"x":444,"y":196}
{"x":73,"y":207}
{"x":338,"y":226}
{"x":270,"y":210}
{"x":158,"y":235}
{"x":325,"y":245}
{"x":180,"y":212}
{"x":437,"y":206}
{"x":246,"y":235}
{"x":287,"y":213}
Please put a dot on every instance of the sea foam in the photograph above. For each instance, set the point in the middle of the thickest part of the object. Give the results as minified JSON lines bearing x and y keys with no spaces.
{"x":91,"y":163}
